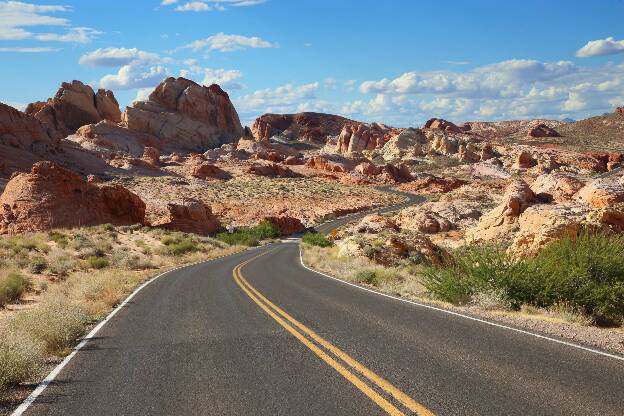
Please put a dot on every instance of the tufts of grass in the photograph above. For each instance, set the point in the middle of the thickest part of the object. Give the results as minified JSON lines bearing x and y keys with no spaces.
{"x":21,"y":358}
{"x":12,"y":287}
{"x":38,"y":265}
{"x":178,"y":243}
{"x":316,"y":239}
{"x":57,"y":323}
{"x":250,"y":236}
{"x":59,"y":238}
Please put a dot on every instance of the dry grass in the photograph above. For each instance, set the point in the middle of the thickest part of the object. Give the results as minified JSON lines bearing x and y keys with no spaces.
{"x":77,"y":277}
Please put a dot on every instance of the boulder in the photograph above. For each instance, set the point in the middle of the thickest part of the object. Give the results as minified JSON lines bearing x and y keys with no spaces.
{"x":185,"y":116}
{"x":190,"y":216}
{"x":294,"y":160}
{"x":556,"y":186}
{"x":54,"y":197}
{"x":367,"y":168}
{"x":524,"y":160}
{"x":151,"y":155}
{"x":198,"y":167}
{"x":358,"y":137}
{"x":107,"y":137}
{"x":619,"y":110}
{"x":601,"y":193}
{"x":323,"y":163}
{"x":392,"y":173}
{"x":75,"y":105}
{"x":433,"y":185}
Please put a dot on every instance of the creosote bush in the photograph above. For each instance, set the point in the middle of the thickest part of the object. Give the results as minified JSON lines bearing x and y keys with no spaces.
{"x":585,"y":273}
{"x":12,"y":287}
{"x":178,"y":243}
{"x":21,"y":358}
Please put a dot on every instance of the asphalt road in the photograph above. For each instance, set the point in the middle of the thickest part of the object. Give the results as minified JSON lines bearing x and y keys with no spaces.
{"x":257,"y":334}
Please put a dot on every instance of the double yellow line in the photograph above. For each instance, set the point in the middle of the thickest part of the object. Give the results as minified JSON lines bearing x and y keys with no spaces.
{"x":322,"y":348}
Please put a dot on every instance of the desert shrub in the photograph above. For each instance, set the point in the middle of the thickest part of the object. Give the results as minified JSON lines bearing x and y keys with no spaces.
{"x":250,"y":236}
{"x":179,"y":243}
{"x":316,"y":239}
{"x":96,"y":262}
{"x":38,"y":265}
{"x":367,"y":276}
{"x":585,"y":273}
{"x":108,"y":227}
{"x":56,"y":323}
{"x":60,"y":262}
{"x":21,"y":358}
{"x":12,"y":287}
{"x":130,"y":261}
{"x":59,"y":238}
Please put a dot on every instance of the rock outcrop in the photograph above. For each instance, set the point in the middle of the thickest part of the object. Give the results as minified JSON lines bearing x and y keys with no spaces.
{"x":75,"y":105}
{"x":441,"y":124}
{"x":54,"y":197}
{"x":556,"y":186}
{"x":408,"y":144}
{"x":185,"y":116}
{"x":286,"y":225}
{"x":198,"y":167}
{"x":601,"y":193}
{"x":361,"y":136}
{"x":309,"y":127}
{"x":271,"y":170}
{"x":542,"y":130}
{"x":619,"y":110}
{"x":20,"y":130}
{"x":190,"y":216}
{"x":107,"y":137}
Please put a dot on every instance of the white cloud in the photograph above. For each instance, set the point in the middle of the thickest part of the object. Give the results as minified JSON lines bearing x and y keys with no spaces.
{"x":16,"y":19}
{"x":29,"y":50}
{"x":143,"y":94}
{"x":168,"y":2}
{"x":227,"y":79}
{"x":288,"y":98}
{"x":194,"y":6}
{"x":131,"y":76}
{"x":608,"y":46}
{"x":228,"y":43}
{"x":119,"y":57}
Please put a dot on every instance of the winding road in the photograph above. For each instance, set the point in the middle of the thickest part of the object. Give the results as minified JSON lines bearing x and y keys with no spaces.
{"x":256,"y":333}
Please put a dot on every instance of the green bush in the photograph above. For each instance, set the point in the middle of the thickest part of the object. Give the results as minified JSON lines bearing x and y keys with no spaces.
{"x":12,"y":287}
{"x":21,"y":358}
{"x":178,"y":243}
{"x":59,"y":238}
{"x":316,"y":239}
{"x":96,"y":262}
{"x":368,"y":276}
{"x":250,"y":236}
{"x":585,"y":273}
{"x":108,"y":227}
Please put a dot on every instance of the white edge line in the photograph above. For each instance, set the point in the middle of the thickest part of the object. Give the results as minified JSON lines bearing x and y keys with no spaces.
{"x":55,"y":372}
{"x":472,"y":318}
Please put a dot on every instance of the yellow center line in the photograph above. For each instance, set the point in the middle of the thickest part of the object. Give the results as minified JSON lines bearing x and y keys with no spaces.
{"x":370,"y":375}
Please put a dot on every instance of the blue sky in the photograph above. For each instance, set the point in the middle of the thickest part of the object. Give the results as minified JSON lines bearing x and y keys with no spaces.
{"x":397,"y":62}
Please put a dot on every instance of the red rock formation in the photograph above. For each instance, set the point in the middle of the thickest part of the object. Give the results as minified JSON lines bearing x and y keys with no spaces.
{"x":367,"y":168}
{"x":441,"y":124}
{"x":185,"y":116}
{"x":542,"y":130}
{"x":286,"y":225}
{"x":311,"y":127}
{"x":524,"y":160}
{"x":75,"y":105}
{"x":53,"y":197}
{"x":322,"y":163}
{"x":198,"y":167}
{"x":601,"y":193}
{"x":433,"y":185}
{"x":151,"y":155}
{"x":23,"y":131}
{"x":619,"y":110}
{"x":272,"y":170}
{"x":191,"y":216}
{"x":107,"y":137}
{"x":398,"y":173}
{"x":293,"y":160}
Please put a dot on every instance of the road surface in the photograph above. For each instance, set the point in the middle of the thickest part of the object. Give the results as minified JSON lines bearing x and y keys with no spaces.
{"x":258,"y":334}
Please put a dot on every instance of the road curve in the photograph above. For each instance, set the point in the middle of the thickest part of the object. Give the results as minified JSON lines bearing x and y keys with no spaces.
{"x":257,"y":333}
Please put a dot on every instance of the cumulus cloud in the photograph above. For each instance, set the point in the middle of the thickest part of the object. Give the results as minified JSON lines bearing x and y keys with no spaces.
{"x":228,"y":43}
{"x":17,"y":19}
{"x":209,"y":5}
{"x":131,"y":76}
{"x":119,"y":57}
{"x":504,"y":90}
{"x":600,"y":47}
{"x":194,"y":6}
{"x":227,"y":79}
